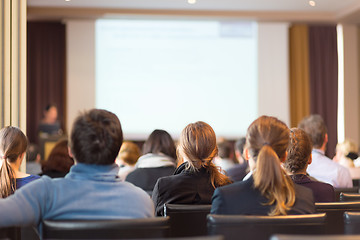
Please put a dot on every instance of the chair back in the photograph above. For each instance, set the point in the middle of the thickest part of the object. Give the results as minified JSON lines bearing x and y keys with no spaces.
{"x":315,"y":237}
{"x":335,"y":211}
{"x":262,"y":227}
{"x":349,"y":197}
{"x":352,"y":222}
{"x":157,"y":227}
{"x":344,"y":190}
{"x":186,"y":219}
{"x":13,"y":233}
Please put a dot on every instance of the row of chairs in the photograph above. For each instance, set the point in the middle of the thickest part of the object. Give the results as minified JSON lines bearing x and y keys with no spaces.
{"x":195,"y":220}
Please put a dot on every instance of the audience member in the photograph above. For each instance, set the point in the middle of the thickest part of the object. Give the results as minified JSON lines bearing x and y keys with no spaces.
{"x":297,"y":161}
{"x":33,"y":160}
{"x":50,"y":125}
{"x":59,"y":162}
{"x":225,"y":155}
{"x":239,"y":171}
{"x":196,"y":178}
{"x":92,"y":189}
{"x":269,"y":190}
{"x":159,"y":160}
{"x":346,"y":153}
{"x":323,"y":168}
{"x":13,"y":144}
{"x":127,"y":158}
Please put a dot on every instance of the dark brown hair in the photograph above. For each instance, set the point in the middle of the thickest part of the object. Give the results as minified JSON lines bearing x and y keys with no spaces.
{"x":299,"y":151}
{"x":59,"y":159}
{"x":267,"y":140}
{"x":13,"y":143}
{"x":198,"y":144}
{"x":160,"y":141}
{"x":96,"y":137}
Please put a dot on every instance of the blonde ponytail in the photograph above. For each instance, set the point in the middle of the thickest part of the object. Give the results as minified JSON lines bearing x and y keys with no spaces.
{"x":13,"y":143}
{"x":7,"y":179}
{"x":198,"y":145}
{"x":267,"y":140}
{"x":273,"y":182}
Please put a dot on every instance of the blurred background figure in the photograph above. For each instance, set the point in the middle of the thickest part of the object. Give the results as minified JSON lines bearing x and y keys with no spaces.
{"x":33,"y":160}
{"x":128,"y":155}
{"x":59,"y":162}
{"x":50,"y":125}
{"x":224,"y":159}
{"x":239,"y":170}
{"x":159,"y":160}
{"x":346,"y":153}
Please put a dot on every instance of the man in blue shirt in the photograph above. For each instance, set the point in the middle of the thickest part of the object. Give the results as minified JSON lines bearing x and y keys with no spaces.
{"x":91,"y":190}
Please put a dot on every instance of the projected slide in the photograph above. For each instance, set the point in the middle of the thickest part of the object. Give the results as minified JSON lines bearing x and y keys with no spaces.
{"x":157,"y":74}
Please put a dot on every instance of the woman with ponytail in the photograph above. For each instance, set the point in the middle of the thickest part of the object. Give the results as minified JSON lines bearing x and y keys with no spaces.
{"x":13,"y":144}
{"x":195,"y":180}
{"x":269,"y":190}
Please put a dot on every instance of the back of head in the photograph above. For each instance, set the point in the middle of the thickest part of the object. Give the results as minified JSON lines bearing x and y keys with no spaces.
{"x":239,"y":145}
{"x":59,"y":159}
{"x":267,"y":140}
{"x":299,"y":151}
{"x":32,"y":153}
{"x":348,"y":149}
{"x":224,"y":149}
{"x":13,"y":143}
{"x":160,"y":141}
{"x":96,"y":137}
{"x":129,"y":153}
{"x":197,"y":145}
{"x":314,"y":125}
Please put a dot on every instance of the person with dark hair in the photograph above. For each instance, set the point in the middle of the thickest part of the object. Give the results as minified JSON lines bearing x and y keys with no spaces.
{"x":33,"y":160}
{"x":323,"y":168}
{"x":269,"y":190}
{"x":59,"y":162}
{"x":50,"y":125}
{"x":91,"y":190}
{"x":297,"y":160}
{"x":225,"y":155}
{"x":13,"y":145}
{"x":239,"y":171}
{"x":159,"y":160}
{"x":195,"y":180}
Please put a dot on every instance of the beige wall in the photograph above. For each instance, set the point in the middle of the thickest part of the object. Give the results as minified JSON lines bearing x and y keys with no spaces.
{"x":351,"y":83}
{"x":80,"y":65}
{"x":273,"y":70}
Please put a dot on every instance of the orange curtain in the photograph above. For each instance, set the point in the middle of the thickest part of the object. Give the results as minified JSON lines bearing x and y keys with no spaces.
{"x":299,"y":74}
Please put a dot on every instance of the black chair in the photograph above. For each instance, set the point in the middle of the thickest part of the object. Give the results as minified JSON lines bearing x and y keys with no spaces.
{"x":349,"y":197}
{"x":352,"y":222}
{"x":335,"y":211}
{"x":187,"y":220}
{"x":315,"y":237}
{"x":13,"y":233}
{"x":356,"y":182}
{"x":344,"y":190}
{"x":262,"y":227}
{"x":106,"y":229}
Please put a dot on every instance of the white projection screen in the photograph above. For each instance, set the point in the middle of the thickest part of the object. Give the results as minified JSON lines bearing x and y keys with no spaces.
{"x":165,"y":74}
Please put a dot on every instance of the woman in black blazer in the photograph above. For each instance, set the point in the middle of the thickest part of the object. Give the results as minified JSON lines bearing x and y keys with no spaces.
{"x":268,"y":190}
{"x":195,"y":180}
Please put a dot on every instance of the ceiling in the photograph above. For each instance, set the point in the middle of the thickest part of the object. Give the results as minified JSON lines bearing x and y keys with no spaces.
{"x":284,"y":10}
